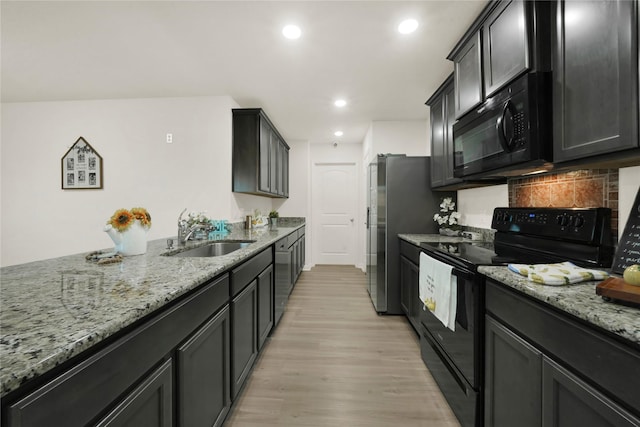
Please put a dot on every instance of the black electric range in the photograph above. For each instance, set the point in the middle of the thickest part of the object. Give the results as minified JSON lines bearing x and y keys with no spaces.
{"x":523,"y":235}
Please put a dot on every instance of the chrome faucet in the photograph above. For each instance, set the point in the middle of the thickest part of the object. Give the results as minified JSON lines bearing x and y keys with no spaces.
{"x":183,"y":228}
{"x":192,"y":229}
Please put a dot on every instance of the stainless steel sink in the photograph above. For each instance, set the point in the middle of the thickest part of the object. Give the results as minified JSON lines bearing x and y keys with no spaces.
{"x":215,"y":249}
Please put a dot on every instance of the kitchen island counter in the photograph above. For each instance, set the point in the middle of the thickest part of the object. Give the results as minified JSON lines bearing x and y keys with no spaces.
{"x":53,"y":310}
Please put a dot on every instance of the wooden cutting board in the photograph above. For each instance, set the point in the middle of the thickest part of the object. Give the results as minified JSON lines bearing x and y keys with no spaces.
{"x":618,"y":290}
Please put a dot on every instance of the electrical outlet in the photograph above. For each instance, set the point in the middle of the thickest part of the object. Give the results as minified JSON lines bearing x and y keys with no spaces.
{"x":169,"y":138}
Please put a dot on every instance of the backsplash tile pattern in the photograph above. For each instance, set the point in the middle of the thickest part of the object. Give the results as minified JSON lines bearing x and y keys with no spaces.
{"x":581,"y":189}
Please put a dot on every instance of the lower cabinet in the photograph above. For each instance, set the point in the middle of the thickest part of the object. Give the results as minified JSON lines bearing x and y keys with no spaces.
{"x":410,"y":291}
{"x":543,"y":368}
{"x":410,"y":301}
{"x":266,"y":316}
{"x":513,"y":394}
{"x":203,"y":374}
{"x":150,"y":404}
{"x":244,"y":337}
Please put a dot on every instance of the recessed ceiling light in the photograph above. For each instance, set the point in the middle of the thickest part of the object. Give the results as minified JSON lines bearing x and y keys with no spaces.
{"x":340,"y":103}
{"x":338,"y":133}
{"x":408,"y":26}
{"x":291,"y":32}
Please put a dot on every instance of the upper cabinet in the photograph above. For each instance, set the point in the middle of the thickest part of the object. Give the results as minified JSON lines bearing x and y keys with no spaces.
{"x":467,"y":66}
{"x":595,"y":78}
{"x":442,"y":104}
{"x":509,"y":38}
{"x":506,"y":46}
{"x":260,"y":155}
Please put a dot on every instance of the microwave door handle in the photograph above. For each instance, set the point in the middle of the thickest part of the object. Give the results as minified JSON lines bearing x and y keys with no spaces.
{"x":507,"y":144}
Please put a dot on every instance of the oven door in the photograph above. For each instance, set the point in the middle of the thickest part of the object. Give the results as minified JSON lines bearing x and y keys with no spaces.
{"x":461,"y":347}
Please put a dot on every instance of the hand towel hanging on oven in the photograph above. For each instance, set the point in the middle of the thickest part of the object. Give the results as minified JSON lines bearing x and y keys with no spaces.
{"x":438,"y":289}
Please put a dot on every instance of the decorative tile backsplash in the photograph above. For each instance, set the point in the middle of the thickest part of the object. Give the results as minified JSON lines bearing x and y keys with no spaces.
{"x":581,"y":189}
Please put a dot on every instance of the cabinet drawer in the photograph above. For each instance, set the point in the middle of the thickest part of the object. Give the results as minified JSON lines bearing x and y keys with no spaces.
{"x":598,"y":358}
{"x":410,"y":251}
{"x":79,"y":395}
{"x":244,"y":274}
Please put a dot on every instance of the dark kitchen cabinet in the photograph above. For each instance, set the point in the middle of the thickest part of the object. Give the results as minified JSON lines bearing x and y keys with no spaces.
{"x":508,"y":38}
{"x":442,"y":108}
{"x":244,"y":336}
{"x":511,"y":365}
{"x":505,"y":45}
{"x":150,"y":404}
{"x":260,"y":155}
{"x":467,"y":66}
{"x":204,"y":374}
{"x":410,"y":301}
{"x":265,"y":304}
{"x":595,"y":78}
{"x":95,"y":384}
{"x":565,"y":373}
{"x":246,"y":281}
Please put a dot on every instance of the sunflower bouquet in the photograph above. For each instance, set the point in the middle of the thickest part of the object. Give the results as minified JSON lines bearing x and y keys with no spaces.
{"x":122,"y":219}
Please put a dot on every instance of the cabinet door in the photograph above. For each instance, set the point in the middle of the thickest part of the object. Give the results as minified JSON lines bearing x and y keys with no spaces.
{"x":505,"y":45}
{"x":265,"y":305}
{"x":405,"y":286}
{"x":568,"y":401}
{"x":244,"y":337}
{"x":265,"y":156}
{"x":438,"y":159}
{"x":203,"y":374}
{"x":595,"y":78}
{"x":512,"y":379}
{"x":148,"y":405}
{"x":449,"y":147}
{"x":468,"y":76}
{"x":274,"y":148}
{"x":285,"y":170}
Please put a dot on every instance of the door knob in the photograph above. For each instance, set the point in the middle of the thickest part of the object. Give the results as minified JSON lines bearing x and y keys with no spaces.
{"x":351,"y":220}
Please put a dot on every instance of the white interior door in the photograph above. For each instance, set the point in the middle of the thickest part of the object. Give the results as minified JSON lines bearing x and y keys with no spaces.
{"x":334,"y":204}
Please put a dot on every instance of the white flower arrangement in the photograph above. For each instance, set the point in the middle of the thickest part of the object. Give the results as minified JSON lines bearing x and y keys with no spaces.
{"x":448,"y":217}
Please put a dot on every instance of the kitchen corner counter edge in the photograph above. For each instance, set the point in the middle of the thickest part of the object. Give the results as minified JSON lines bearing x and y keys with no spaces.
{"x":578,"y":299}
{"x":53,"y":310}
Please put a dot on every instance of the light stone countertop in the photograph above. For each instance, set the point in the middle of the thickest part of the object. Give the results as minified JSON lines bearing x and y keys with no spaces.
{"x":54,"y":309}
{"x":579,"y":300}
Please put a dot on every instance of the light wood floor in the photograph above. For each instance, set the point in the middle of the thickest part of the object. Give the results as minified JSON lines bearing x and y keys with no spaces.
{"x":333,"y":361}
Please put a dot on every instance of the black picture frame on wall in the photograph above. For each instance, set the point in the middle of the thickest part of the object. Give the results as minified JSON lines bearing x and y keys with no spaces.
{"x":82,"y":167}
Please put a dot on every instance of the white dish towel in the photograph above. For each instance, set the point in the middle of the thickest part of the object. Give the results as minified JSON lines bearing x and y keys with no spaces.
{"x":438,"y":289}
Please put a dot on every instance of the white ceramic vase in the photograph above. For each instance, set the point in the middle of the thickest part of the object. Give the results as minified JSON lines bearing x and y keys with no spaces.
{"x":133,"y":241}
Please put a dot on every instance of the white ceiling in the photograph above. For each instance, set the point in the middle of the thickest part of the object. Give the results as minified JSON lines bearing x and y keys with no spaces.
{"x":123,"y":49}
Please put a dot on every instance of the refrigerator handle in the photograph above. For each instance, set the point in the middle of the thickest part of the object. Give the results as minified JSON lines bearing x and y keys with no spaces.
{"x":368,"y":217}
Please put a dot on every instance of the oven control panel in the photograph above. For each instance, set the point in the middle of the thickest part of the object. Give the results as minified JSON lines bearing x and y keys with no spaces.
{"x":588,"y":225}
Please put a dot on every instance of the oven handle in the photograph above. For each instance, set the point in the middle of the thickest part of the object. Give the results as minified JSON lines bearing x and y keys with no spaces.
{"x":507,"y":145}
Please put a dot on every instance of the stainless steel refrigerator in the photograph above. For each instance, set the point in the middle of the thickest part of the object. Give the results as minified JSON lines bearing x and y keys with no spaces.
{"x":400,"y":201}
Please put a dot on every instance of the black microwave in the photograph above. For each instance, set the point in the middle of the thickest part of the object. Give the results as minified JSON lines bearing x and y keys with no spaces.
{"x":509,"y":134}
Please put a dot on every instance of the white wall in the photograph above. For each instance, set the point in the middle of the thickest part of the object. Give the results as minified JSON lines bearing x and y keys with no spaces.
{"x":40,"y":220}
{"x":476,"y":204}
{"x":410,"y":137}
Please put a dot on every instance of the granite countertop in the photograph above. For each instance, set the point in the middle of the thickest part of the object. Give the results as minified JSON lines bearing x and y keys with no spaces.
{"x":578,"y":299}
{"x":54,"y":309}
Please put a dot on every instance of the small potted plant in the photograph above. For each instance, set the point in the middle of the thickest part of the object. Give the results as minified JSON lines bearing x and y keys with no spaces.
{"x":273,"y":219}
